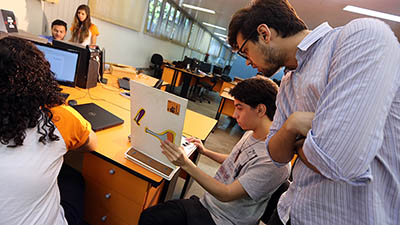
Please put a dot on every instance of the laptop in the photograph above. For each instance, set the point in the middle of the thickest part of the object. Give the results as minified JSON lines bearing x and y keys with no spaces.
{"x":156,"y":115}
{"x":98,"y":117}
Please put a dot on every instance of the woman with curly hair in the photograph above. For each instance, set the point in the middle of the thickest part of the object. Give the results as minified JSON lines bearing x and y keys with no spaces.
{"x":83,"y":30}
{"x":36,"y":131}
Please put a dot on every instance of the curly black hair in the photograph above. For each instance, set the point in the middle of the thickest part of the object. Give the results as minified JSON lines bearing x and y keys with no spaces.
{"x":257,"y":90}
{"x":27,"y":92}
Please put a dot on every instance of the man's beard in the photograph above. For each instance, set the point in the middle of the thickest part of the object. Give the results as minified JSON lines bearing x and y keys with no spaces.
{"x":274,"y":58}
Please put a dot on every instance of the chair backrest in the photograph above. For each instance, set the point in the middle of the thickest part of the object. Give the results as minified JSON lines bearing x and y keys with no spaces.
{"x":157,"y":59}
{"x":226,"y":70}
{"x":273,"y":201}
{"x":226,"y":78}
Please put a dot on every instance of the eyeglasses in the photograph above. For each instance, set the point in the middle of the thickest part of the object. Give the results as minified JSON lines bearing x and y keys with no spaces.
{"x":239,"y":52}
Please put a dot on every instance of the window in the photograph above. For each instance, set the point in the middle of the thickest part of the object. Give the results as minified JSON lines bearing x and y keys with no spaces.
{"x":166,"y":20}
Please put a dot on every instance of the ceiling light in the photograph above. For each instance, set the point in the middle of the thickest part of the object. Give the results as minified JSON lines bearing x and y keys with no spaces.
{"x":215,"y":26}
{"x":373,"y":13}
{"x":220,"y":35}
{"x":198,"y":8}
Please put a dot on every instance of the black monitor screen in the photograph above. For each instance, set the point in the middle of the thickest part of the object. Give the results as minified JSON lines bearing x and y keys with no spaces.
{"x":205,"y":67}
{"x":84,"y":55}
{"x":217,"y":70}
{"x":62,"y":63}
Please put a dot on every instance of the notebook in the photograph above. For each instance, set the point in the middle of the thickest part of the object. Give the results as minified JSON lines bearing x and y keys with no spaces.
{"x":98,"y":117}
{"x":156,"y":115}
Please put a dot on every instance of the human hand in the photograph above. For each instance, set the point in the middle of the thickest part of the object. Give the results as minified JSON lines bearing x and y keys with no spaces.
{"x":300,"y":122}
{"x":198,"y":143}
{"x":174,"y":153}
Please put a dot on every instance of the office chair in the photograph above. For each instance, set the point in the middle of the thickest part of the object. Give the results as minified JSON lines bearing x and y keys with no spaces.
{"x":157,"y":61}
{"x":207,"y":87}
{"x":226,"y":78}
{"x":226,"y":70}
{"x":273,"y":202}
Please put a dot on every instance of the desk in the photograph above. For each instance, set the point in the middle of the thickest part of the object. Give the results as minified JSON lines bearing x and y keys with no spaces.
{"x":117,"y":190}
{"x":226,"y":85}
{"x":226,"y":105}
{"x":177,"y":78}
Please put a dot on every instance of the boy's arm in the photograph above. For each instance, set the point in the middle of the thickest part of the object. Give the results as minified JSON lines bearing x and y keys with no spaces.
{"x":217,"y":157}
{"x":222,"y":192}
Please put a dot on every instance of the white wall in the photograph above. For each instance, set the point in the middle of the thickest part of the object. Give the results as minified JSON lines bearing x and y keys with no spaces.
{"x":134,"y":48}
{"x":122,"y":45}
{"x":28,"y":13}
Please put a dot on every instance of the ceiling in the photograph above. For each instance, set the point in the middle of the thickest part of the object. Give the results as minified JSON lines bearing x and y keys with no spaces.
{"x":313,"y":12}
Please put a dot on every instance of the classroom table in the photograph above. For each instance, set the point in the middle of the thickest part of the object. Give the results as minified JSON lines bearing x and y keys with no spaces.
{"x":181,"y":75}
{"x":226,"y":105}
{"x":117,"y":190}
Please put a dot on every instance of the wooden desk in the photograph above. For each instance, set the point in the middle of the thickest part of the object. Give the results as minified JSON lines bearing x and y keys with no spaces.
{"x":180,"y":76}
{"x":226,"y":85}
{"x":226,"y":105}
{"x":117,"y":190}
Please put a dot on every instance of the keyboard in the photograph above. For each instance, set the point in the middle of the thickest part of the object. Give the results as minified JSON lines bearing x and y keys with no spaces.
{"x":188,"y":146}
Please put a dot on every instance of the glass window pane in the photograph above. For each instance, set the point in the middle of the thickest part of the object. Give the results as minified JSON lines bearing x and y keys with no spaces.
{"x":157,"y":15}
{"x":168,"y":31}
{"x":150,"y":14}
{"x":193,"y":36}
{"x":215,"y":47}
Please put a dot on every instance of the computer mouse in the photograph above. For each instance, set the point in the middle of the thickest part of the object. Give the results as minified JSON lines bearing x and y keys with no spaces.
{"x":72,"y":102}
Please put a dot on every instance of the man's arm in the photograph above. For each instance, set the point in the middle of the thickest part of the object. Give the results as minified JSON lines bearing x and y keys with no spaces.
{"x":348,"y":127}
{"x":282,"y":145}
{"x":217,"y":157}
{"x":222,"y":192}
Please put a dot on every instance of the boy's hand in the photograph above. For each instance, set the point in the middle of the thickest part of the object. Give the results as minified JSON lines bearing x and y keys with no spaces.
{"x":174,"y":153}
{"x":198,"y":143}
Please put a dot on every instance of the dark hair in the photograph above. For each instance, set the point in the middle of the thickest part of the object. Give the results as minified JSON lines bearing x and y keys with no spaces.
{"x":81,"y":29}
{"x":27,"y":92}
{"x":276,"y":14}
{"x":255,"y":91}
{"x":58,"y":22}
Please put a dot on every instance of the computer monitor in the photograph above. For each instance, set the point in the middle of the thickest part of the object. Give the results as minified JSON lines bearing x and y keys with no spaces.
{"x":84,"y":55}
{"x":205,"y":67}
{"x":63,"y":63}
{"x":187,"y":61}
{"x":217,"y":70}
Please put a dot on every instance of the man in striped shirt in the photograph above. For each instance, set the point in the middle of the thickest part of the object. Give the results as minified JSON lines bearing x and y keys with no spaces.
{"x":343,"y":96}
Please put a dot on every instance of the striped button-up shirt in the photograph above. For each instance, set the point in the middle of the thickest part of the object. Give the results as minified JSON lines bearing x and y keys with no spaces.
{"x":350,"y":78}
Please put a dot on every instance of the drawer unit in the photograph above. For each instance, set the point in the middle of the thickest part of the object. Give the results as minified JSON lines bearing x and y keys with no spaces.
{"x":112,"y":201}
{"x":96,"y":215}
{"x":113,"y":195}
{"x":114,"y":177}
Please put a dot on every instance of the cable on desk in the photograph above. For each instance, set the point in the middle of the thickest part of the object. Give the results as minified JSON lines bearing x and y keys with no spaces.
{"x":113,"y":89}
{"x":79,"y":89}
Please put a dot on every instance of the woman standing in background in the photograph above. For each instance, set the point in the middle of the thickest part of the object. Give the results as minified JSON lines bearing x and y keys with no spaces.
{"x":83,"y":30}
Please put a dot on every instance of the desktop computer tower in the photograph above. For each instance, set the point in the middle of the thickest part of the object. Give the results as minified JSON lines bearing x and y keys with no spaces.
{"x":94,"y":68}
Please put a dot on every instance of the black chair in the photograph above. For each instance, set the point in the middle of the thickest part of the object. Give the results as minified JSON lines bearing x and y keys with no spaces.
{"x":273,"y":202}
{"x":226,"y":78}
{"x":207,"y":87}
{"x":226,"y":70}
{"x":157,"y":61}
